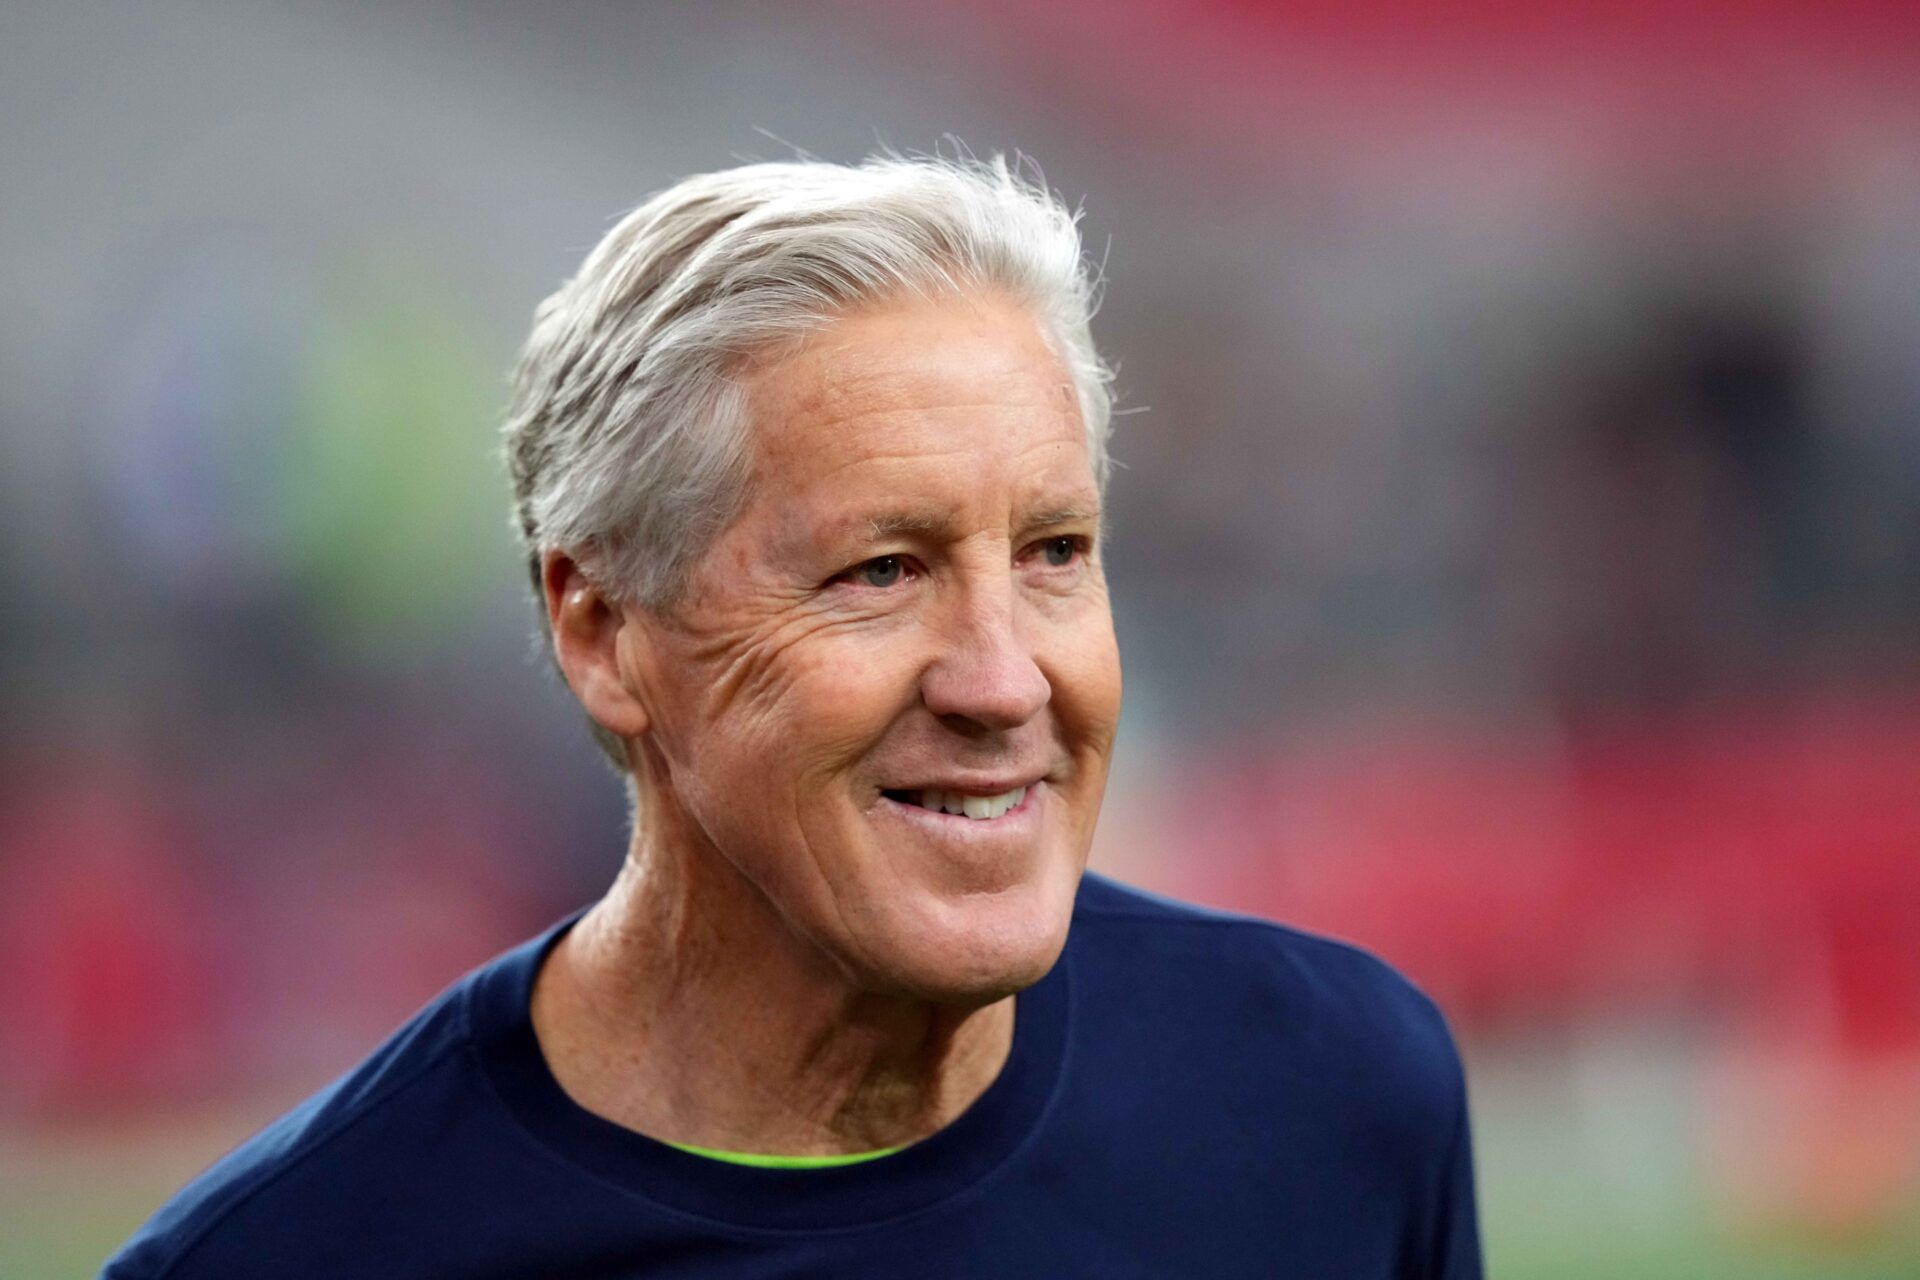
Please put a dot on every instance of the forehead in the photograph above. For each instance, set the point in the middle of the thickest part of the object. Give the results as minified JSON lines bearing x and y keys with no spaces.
{"x":883,"y":403}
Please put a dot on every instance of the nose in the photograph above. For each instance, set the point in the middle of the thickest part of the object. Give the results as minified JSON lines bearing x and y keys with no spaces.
{"x":985,"y":677}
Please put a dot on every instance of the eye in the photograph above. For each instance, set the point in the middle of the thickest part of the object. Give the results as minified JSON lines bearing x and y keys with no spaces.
{"x":882,"y":571}
{"x":1058,"y":553}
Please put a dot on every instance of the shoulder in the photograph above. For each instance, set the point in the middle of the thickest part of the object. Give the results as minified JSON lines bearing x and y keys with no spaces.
{"x":1300,"y":996}
{"x":329,"y":1130}
{"x":1239,"y":941}
{"x":1242,"y":943}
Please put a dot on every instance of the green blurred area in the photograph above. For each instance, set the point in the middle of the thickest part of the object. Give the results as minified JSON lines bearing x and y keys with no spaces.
{"x":1550,"y":1210}
{"x":395,"y":507}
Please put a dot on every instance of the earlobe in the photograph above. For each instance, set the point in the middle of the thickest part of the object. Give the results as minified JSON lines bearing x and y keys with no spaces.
{"x":588,"y":629}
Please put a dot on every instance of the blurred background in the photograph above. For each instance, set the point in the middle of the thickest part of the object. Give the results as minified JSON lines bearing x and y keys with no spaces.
{"x":1517,"y":550}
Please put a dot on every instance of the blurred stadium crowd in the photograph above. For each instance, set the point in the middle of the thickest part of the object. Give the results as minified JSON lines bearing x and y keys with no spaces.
{"x":1517,"y":551}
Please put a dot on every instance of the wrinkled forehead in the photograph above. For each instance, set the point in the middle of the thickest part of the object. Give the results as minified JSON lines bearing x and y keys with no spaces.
{"x":903,"y":411}
{"x":910,"y":353}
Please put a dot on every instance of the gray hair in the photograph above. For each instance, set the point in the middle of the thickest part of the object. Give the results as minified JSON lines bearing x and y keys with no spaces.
{"x":627,"y":433}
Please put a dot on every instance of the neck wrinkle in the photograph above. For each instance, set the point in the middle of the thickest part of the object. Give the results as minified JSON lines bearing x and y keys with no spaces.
{"x":682,"y":1006}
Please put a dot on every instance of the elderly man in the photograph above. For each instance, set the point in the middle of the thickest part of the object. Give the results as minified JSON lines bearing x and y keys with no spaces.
{"x":809,"y":462}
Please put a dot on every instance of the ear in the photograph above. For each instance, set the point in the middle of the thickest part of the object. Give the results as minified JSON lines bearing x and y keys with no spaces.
{"x":588,"y":629}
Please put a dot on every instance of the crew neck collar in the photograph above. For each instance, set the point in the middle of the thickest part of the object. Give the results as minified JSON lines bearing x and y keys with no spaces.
{"x":985,"y":1137}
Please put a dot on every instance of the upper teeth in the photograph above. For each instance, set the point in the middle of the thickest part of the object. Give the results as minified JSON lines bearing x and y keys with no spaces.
{"x":971,"y":806}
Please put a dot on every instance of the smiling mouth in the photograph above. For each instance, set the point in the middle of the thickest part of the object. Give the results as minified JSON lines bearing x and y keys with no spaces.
{"x":978,"y":808}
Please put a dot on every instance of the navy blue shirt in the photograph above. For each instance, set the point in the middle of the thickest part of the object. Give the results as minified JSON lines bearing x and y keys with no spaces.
{"x":1188,"y":1094}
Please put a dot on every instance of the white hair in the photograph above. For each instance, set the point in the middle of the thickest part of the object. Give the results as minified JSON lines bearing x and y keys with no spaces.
{"x":626,"y":436}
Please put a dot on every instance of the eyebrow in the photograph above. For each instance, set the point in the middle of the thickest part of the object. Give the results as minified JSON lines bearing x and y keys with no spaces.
{"x":890,"y":523}
{"x":1070,"y":514}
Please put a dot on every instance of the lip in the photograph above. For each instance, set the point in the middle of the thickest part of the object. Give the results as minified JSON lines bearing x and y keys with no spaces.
{"x":974,"y":785}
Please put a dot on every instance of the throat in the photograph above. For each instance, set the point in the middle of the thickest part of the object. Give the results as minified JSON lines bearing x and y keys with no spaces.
{"x":719,"y":1048}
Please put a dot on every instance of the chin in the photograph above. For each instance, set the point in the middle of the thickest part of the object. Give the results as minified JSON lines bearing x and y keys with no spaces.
{"x":974,"y":949}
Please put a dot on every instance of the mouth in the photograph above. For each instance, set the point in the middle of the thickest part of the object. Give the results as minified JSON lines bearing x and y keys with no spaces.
{"x":965,"y":805}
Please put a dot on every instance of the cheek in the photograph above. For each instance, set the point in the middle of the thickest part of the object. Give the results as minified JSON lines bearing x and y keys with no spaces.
{"x":847,"y":691}
{"x":1084,"y":670}
{"x":798,"y":715}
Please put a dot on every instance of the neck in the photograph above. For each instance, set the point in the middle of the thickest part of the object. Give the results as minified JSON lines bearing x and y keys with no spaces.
{"x":683,"y":1006}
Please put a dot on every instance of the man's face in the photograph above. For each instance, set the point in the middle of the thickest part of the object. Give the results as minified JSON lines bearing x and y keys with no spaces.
{"x":908,"y":615}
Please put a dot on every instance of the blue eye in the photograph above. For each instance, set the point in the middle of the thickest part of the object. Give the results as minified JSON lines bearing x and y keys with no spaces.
{"x":881,"y":572}
{"x":1059,"y":552}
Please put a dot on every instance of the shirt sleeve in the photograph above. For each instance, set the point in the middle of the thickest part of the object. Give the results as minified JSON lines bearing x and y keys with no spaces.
{"x":1454,"y":1252}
